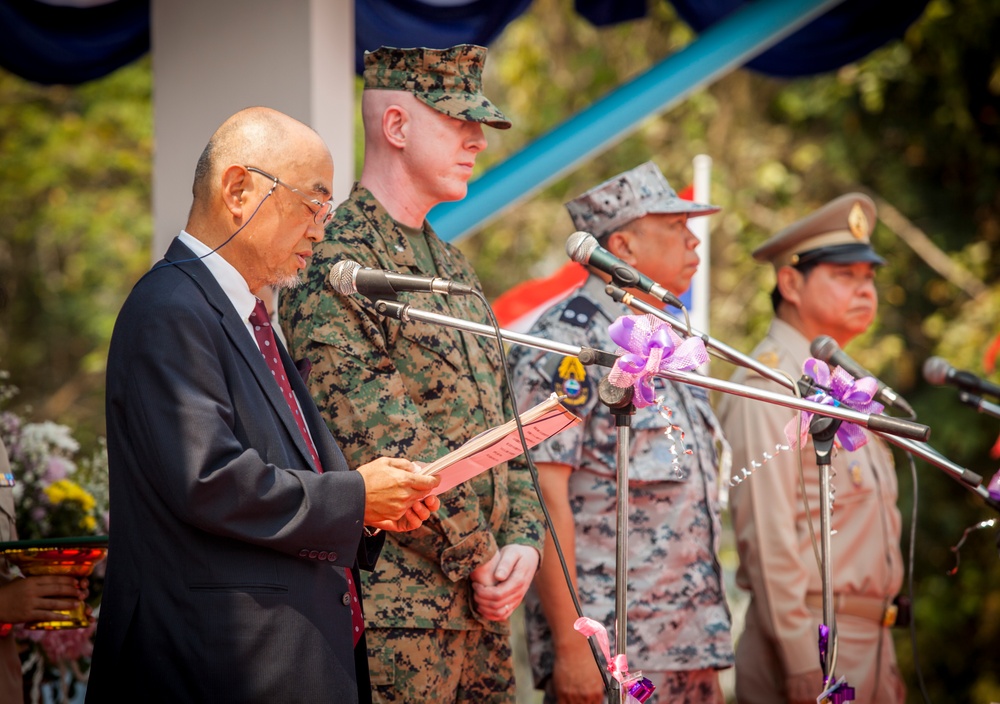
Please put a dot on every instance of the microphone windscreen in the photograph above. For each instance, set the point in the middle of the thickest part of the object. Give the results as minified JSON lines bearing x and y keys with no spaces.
{"x":343,"y":276}
{"x":936,"y":370}
{"x":580,"y":246}
{"x":824,"y":347}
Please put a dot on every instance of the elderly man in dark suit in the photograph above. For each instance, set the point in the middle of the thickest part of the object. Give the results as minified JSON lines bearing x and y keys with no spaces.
{"x":238,"y":528}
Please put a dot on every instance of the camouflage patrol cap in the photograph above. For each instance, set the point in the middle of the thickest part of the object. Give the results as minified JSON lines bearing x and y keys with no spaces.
{"x":449,"y":80}
{"x":838,"y":233}
{"x":626,"y":197}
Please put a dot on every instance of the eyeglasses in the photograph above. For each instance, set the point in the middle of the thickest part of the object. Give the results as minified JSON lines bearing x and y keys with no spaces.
{"x":324,"y":209}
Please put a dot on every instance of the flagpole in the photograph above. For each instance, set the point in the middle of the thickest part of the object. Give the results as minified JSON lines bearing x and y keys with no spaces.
{"x":700,"y":284}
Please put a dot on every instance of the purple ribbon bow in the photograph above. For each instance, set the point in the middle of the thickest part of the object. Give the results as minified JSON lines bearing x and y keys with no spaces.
{"x":648,"y":345}
{"x":839,"y":693}
{"x":845,"y":390}
{"x":994,"y":487}
{"x":635,"y":685}
{"x":824,"y":643}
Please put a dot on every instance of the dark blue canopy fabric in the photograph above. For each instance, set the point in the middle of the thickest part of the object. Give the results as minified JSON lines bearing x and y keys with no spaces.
{"x":408,"y":23}
{"x":845,"y":33}
{"x":51,"y":44}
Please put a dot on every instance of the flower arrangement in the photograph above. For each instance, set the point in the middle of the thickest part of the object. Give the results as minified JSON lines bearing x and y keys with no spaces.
{"x":57,"y":495}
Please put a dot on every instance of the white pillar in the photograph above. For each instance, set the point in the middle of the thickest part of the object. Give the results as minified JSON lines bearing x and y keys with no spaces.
{"x":214,"y":57}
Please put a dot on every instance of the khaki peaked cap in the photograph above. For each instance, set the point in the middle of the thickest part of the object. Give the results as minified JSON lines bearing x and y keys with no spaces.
{"x":838,"y":233}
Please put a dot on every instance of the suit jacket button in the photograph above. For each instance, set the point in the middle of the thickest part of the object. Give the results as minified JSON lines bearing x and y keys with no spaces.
{"x":313,"y":553}
{"x":303,"y":553}
{"x":346,"y":599}
{"x":322,"y":554}
{"x":332,"y":557}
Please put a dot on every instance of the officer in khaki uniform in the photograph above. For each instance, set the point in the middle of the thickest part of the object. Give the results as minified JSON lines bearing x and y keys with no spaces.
{"x":825,"y":269}
{"x":438,"y":605}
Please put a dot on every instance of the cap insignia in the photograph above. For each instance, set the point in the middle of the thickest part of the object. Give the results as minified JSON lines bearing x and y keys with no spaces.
{"x":858,"y":223}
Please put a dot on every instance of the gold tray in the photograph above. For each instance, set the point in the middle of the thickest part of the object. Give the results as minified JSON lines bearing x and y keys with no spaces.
{"x":76,"y":557}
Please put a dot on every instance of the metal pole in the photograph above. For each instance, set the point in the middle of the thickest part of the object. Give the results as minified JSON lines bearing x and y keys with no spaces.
{"x":621,"y":545}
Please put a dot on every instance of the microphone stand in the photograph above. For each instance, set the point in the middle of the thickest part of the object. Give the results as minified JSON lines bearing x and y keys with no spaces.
{"x":588,"y":355}
{"x":620,"y":403}
{"x":823,"y":431}
{"x":966,"y":477}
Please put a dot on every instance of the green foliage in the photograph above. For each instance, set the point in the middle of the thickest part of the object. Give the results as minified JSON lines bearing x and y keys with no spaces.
{"x":75,"y":231}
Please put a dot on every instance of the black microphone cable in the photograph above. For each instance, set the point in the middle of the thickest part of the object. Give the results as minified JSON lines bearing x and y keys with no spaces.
{"x":538,"y":489}
{"x":909,"y":582}
{"x":228,"y":240}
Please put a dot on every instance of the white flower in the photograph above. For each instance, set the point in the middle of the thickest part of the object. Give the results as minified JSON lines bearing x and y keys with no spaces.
{"x":49,"y":434}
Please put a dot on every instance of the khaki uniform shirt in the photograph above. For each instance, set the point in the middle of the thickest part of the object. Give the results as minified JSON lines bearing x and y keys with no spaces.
{"x":412,"y":390}
{"x":777,"y":563}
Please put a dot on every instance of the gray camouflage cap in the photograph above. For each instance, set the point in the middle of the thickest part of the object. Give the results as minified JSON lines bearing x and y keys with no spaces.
{"x":629,"y":196}
{"x":449,"y":80}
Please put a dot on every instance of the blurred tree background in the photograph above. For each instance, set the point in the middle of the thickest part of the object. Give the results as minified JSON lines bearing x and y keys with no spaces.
{"x":75,"y":232}
{"x":916,"y":124}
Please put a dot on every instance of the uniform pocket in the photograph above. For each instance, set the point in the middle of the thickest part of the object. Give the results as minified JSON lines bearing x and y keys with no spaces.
{"x":382,"y":666}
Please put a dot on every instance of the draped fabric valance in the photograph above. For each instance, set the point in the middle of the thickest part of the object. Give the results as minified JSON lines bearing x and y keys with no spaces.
{"x":73,"y":41}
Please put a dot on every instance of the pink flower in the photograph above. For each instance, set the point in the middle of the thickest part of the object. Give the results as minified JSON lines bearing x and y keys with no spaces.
{"x":68,"y":644}
{"x":58,"y":468}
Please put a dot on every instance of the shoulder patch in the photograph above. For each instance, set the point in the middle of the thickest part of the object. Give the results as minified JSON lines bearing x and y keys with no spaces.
{"x":571,"y":382}
{"x":579,"y":312}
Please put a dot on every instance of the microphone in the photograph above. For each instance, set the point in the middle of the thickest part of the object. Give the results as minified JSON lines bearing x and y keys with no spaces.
{"x":826,"y":348}
{"x":937,"y":371}
{"x":583,"y":248}
{"x":980,"y":404}
{"x":347,"y":277}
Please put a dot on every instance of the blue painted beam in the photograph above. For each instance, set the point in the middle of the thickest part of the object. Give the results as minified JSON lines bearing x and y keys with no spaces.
{"x":728,"y":44}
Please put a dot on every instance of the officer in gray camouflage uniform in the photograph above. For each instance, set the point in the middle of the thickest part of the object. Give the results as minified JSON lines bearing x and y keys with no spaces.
{"x":678,"y":622}
{"x":438,"y":606}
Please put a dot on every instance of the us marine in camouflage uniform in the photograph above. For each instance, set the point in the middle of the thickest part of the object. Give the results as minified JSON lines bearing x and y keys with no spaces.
{"x":439,"y":603}
{"x":678,"y":622}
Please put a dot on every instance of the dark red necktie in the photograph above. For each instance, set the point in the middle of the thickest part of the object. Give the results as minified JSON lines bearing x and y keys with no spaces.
{"x":261,"y":323}
{"x":269,"y":350}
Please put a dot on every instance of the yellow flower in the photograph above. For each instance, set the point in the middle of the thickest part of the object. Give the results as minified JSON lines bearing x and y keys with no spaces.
{"x":66,"y":490}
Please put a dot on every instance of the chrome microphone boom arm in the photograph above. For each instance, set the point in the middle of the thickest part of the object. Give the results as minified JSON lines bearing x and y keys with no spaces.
{"x":913,"y":444}
{"x":874,"y":422}
{"x":721,"y":350}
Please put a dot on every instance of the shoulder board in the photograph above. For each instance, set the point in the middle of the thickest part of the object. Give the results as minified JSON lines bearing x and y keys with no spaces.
{"x":579,"y":312}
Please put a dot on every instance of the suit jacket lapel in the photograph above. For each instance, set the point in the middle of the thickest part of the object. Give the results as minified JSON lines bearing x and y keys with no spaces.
{"x":238,"y":334}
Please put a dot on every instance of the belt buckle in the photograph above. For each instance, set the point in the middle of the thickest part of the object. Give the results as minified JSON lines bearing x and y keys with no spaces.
{"x":889,"y":617}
